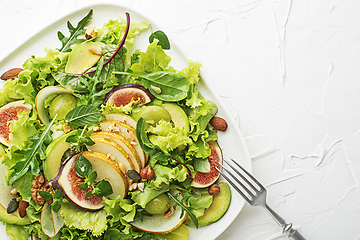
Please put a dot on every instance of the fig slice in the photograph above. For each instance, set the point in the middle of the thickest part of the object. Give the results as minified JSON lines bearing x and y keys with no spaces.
{"x":202,"y":180}
{"x":122,"y":95}
{"x":9,"y":113}
{"x":106,"y":168}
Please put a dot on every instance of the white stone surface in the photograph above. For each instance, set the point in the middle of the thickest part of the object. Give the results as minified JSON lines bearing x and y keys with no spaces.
{"x":289,"y":70}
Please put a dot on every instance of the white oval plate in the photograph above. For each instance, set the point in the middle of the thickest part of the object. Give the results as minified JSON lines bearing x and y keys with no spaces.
{"x":232,"y":141}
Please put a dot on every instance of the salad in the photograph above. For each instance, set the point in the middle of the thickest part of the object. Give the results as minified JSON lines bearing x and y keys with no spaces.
{"x":103,"y":141}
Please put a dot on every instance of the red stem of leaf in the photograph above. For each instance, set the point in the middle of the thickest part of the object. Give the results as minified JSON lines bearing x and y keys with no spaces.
{"x":122,"y":41}
{"x":188,"y":169}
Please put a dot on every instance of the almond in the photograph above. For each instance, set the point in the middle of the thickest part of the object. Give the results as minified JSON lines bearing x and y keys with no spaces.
{"x":11,"y":74}
{"x":22,"y":207}
{"x":219,"y":124}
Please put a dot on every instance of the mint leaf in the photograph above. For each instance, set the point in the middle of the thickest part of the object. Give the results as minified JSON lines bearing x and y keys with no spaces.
{"x":74,"y":33}
{"x":45,"y":195}
{"x":82,"y":167}
{"x":83,"y":115}
{"x":31,"y":161}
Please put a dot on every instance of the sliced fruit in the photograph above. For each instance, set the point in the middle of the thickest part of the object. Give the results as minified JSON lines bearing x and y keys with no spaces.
{"x":8,"y":113}
{"x":124,"y":143}
{"x":67,"y":180}
{"x":83,"y":57}
{"x":51,"y":221}
{"x":158,"y":223}
{"x":113,"y":151}
{"x":158,"y":205}
{"x":43,"y":95}
{"x":54,"y":153}
{"x":5,"y":198}
{"x":181,"y":233}
{"x":217,"y":209}
{"x":122,"y":118}
{"x":178,"y":116}
{"x":121,"y":95}
{"x":202,"y":180}
{"x":61,"y":105}
{"x":153,"y":114}
{"x":126,"y":131}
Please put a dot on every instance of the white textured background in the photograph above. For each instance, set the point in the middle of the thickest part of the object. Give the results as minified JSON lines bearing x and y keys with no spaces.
{"x":289,"y":71}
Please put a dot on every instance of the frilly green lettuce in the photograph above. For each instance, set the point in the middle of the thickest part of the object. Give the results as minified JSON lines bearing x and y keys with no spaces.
{"x":84,"y":220}
{"x":16,"y":232}
{"x":168,"y":137}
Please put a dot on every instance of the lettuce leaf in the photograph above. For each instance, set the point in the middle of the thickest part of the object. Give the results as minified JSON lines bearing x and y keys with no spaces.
{"x":84,"y":220}
{"x":16,"y":232}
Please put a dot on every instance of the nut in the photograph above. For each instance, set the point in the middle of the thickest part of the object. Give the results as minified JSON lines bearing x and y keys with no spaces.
{"x":147,"y":173}
{"x":22,"y":207}
{"x":214,"y":190}
{"x":66,"y":128}
{"x":169,"y":212}
{"x":133,"y":187}
{"x":95,"y":51}
{"x":156,"y":89}
{"x":219,"y":124}
{"x":40,"y":184}
{"x":11,"y":74}
{"x":141,"y":186}
{"x":13,"y":191}
{"x":90,"y":33}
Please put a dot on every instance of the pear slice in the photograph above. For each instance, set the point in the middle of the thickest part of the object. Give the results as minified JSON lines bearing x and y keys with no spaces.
{"x":124,"y":143}
{"x":126,"y":131}
{"x":113,"y":151}
{"x":51,"y":221}
{"x":122,"y":118}
{"x":158,"y":223}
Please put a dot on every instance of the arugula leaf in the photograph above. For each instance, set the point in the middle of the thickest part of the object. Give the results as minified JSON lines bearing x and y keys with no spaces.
{"x":74,"y":33}
{"x":163,"y":39}
{"x":184,"y":208}
{"x":31,"y":161}
{"x":83,"y":115}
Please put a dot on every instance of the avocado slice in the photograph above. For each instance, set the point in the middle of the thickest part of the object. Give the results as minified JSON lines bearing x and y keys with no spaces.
{"x":54,"y":153}
{"x":217,"y":209}
{"x":178,"y":116}
{"x":83,"y":57}
{"x":5,"y":198}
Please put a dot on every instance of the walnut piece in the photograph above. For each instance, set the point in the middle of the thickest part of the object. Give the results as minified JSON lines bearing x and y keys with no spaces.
{"x":40,"y":184}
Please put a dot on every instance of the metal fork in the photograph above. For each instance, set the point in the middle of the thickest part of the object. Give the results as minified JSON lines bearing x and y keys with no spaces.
{"x":255,"y":194}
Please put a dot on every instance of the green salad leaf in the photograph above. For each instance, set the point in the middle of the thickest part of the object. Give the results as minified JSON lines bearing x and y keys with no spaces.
{"x":83,"y":115}
{"x":31,"y":161}
{"x":75,"y":32}
{"x":163,"y":39}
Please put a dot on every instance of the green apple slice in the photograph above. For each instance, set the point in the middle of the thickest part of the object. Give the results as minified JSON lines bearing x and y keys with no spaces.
{"x":178,"y":116}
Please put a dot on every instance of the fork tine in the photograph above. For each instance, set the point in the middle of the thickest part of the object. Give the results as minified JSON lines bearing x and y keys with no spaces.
{"x":238,"y":181}
{"x":234,"y":185}
{"x":247,"y":173}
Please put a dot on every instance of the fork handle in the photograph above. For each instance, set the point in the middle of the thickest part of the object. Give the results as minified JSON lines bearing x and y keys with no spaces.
{"x":287,"y":228}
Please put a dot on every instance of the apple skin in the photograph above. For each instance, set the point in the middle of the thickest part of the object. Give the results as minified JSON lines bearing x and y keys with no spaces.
{"x":178,"y":116}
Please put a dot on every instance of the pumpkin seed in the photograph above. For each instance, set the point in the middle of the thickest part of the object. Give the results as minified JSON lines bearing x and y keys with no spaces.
{"x":134,"y":175}
{"x":12,"y":206}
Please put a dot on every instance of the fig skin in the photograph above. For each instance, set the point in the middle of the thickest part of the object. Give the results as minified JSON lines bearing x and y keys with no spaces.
{"x":146,"y":93}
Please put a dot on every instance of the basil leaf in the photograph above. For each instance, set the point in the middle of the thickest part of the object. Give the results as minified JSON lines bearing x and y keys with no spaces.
{"x":163,"y":39}
{"x":83,"y":186}
{"x":74,"y":33}
{"x":56,"y":205}
{"x":83,"y":115}
{"x":45,"y":195}
{"x":92,"y":176}
{"x":82,"y":166}
{"x":103,"y":189}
